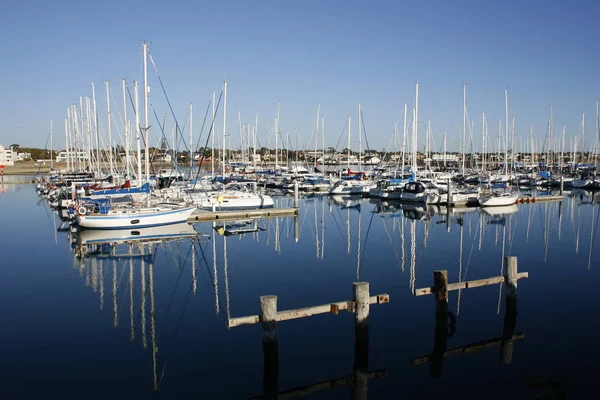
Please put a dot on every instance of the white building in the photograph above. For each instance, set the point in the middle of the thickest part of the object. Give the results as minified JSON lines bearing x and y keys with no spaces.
{"x":6,"y":156}
{"x":444,"y":157}
{"x":63,"y":156}
{"x":23,"y":156}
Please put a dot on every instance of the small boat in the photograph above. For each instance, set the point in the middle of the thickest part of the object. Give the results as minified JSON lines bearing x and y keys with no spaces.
{"x":498,"y":199}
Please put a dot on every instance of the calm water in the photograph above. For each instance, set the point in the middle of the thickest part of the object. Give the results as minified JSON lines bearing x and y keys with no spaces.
{"x":87,"y":326}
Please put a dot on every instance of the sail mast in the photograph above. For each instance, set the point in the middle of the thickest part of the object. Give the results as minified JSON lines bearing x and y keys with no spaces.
{"x":146,"y":90}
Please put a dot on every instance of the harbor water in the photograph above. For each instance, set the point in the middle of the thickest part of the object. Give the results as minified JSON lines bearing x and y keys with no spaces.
{"x":149,"y":319}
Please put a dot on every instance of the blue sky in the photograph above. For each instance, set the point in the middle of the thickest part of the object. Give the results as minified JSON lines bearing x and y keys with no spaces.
{"x":302,"y":54}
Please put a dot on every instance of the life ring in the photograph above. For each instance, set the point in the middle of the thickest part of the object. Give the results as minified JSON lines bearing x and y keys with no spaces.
{"x":82,"y":210}
{"x":84,"y":249}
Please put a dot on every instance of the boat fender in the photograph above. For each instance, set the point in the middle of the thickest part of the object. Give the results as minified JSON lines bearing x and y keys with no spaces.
{"x":533,"y":200}
{"x":82,"y":210}
{"x":527,"y":200}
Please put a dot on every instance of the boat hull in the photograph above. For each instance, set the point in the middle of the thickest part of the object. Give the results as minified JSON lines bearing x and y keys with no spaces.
{"x":131,"y":218}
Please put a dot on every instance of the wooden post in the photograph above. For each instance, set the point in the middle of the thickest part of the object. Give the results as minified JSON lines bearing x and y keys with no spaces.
{"x":361,"y":340}
{"x":440,"y":341}
{"x":268,"y":311}
{"x":296,"y":200}
{"x":448,"y":195}
{"x":510,"y":313}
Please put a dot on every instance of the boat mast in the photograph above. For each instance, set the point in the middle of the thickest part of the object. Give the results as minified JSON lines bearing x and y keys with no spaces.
{"x":212,"y":133}
{"x":562,"y":149}
{"x":583,"y":137}
{"x":444,"y":149}
{"x":349,"y":127}
{"x":96,"y":129}
{"x":359,"y":139}
{"x":415,"y":129}
{"x":483,"y":125}
{"x":138,"y":133}
{"x":191,"y":138}
{"x":316,"y":138}
{"x":126,"y":131}
{"x":67,"y":142}
{"x":110,"y":153}
{"x":506,"y":133}
{"x":464,"y":133}
{"x":224,"y":125}
{"x":323,"y":148}
{"x":404,"y":139}
{"x":276,"y":136}
{"x":146,"y":90}
{"x":50,"y":144}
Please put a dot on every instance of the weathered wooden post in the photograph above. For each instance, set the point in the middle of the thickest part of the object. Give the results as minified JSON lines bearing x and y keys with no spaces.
{"x":296,"y":200}
{"x":361,"y":340}
{"x":510,"y":314}
{"x":268,"y":311}
{"x":440,"y":341}
{"x":448,"y":195}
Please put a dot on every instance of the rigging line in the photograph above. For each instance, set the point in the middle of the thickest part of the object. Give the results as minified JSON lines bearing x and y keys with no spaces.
{"x":470,"y":254}
{"x":175,"y":164}
{"x":160,"y":329}
{"x":201,"y":132}
{"x":337,"y":225}
{"x":178,"y":326}
{"x":210,"y":132}
{"x":362,"y":120}
{"x":166,"y":97}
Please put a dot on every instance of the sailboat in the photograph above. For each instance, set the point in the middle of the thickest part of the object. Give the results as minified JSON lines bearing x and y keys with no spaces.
{"x":104,"y":216}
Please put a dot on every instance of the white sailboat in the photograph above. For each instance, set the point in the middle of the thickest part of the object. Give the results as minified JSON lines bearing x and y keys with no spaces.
{"x":132,"y":216}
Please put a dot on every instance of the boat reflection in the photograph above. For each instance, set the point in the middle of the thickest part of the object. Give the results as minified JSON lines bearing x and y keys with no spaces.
{"x":238,"y":227}
{"x":104,"y":241}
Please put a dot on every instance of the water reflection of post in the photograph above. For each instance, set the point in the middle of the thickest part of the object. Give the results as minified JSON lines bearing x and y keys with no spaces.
{"x":440,"y":341}
{"x":296,"y":229}
{"x":510,"y":316}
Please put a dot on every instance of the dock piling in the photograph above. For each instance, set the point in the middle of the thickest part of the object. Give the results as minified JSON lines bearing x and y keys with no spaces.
{"x":268,"y":312}
{"x":361,"y":339}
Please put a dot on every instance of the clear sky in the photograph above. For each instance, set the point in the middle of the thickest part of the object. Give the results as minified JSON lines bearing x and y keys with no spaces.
{"x":302,"y":54}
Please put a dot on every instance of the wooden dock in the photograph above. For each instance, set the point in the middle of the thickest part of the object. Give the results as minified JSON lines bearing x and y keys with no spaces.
{"x":235,"y":215}
{"x":536,"y":199}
